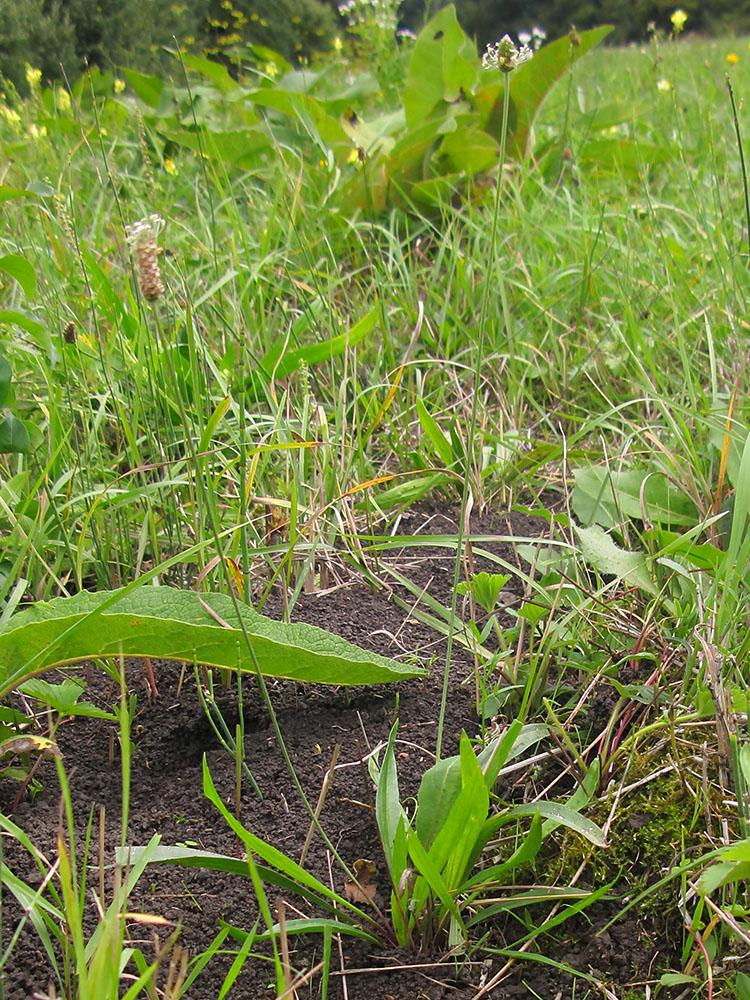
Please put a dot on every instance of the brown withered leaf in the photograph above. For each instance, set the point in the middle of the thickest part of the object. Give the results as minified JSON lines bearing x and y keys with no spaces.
{"x":363,"y":890}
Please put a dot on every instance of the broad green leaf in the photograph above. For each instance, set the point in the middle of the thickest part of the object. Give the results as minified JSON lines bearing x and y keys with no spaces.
{"x":149,"y":88}
{"x":723,"y":873}
{"x":21,"y":319}
{"x":63,"y":697}
{"x":309,"y":112}
{"x":745,"y":763}
{"x":162,"y":622}
{"x":602,"y":496}
{"x":742,"y":985}
{"x":20,"y":269}
{"x":531,"y":82}
{"x":214,"y":71}
{"x":580,"y":797}
{"x":410,"y":490}
{"x":470,"y":149}
{"x":241,"y":148}
{"x":9,"y":193}
{"x":624,"y":156}
{"x":14,"y":438}
{"x":598,"y":549}
{"x":400,"y":903}
{"x":485,"y":588}
{"x":42,"y":189}
{"x":443,"y":63}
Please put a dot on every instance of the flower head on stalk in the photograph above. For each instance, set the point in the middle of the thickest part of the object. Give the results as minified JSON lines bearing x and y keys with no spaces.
{"x":678,"y":19}
{"x":505,"y":56}
{"x":142,"y":237}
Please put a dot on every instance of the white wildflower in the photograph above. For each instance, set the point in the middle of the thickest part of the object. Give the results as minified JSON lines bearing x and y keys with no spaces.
{"x":505,"y":56}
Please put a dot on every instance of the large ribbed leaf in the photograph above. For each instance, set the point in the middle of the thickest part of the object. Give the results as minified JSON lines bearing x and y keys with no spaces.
{"x":170,"y":624}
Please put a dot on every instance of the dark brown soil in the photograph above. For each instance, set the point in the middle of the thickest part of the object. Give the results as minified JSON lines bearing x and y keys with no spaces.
{"x":172,"y":735}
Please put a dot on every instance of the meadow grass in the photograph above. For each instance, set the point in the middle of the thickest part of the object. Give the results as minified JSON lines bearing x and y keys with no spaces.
{"x":611,"y":302}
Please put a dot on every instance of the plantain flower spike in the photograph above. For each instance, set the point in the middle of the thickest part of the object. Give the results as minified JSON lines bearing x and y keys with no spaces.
{"x":142,"y":236}
{"x":505,"y":55}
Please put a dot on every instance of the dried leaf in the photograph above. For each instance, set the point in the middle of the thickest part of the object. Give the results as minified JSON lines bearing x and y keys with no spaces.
{"x":362,"y":890}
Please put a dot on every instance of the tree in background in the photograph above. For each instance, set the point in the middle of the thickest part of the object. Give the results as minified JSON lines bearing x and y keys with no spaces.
{"x":38,"y":34}
{"x":50,"y":34}
{"x":294,"y":28}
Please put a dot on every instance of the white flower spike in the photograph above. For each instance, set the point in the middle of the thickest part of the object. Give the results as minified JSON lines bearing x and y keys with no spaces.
{"x":505,"y":56}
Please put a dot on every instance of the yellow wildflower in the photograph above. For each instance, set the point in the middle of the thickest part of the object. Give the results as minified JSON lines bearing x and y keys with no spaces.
{"x":271,"y":69}
{"x":119,"y":86}
{"x":663,"y":85}
{"x":678,"y":20}
{"x":353,"y":155}
{"x":33,"y":76}
{"x":62,"y":99}
{"x":732,"y":58}
{"x":37,"y":131}
{"x":338,"y":44}
{"x":11,"y":116}
{"x":169,"y":165}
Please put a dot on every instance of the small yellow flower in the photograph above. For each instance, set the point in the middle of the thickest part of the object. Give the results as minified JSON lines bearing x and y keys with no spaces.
{"x":271,"y":69}
{"x":62,"y":99}
{"x":663,"y":85}
{"x":33,"y":76}
{"x":732,"y":58}
{"x":119,"y":86}
{"x":37,"y":131}
{"x":11,"y":116}
{"x":678,"y":20}
{"x":169,"y":165}
{"x":338,"y":44}
{"x":353,"y":155}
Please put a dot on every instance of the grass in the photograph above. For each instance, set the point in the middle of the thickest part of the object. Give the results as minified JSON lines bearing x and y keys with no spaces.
{"x":597,"y":321}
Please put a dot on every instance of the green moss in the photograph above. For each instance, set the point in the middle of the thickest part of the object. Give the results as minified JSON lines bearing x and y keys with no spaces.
{"x":654,"y":828}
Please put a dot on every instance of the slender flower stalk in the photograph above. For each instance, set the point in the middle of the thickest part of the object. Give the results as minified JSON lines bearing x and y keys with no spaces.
{"x":510,"y":59}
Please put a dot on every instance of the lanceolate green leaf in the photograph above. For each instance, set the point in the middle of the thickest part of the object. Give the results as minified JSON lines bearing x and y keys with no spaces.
{"x":388,"y":810}
{"x":441,"y":784}
{"x":166,"y":623}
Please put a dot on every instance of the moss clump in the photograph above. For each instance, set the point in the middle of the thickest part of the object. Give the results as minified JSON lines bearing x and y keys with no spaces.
{"x":656,"y":826}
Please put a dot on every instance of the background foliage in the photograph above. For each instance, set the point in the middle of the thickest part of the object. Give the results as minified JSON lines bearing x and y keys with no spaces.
{"x":60,"y":36}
